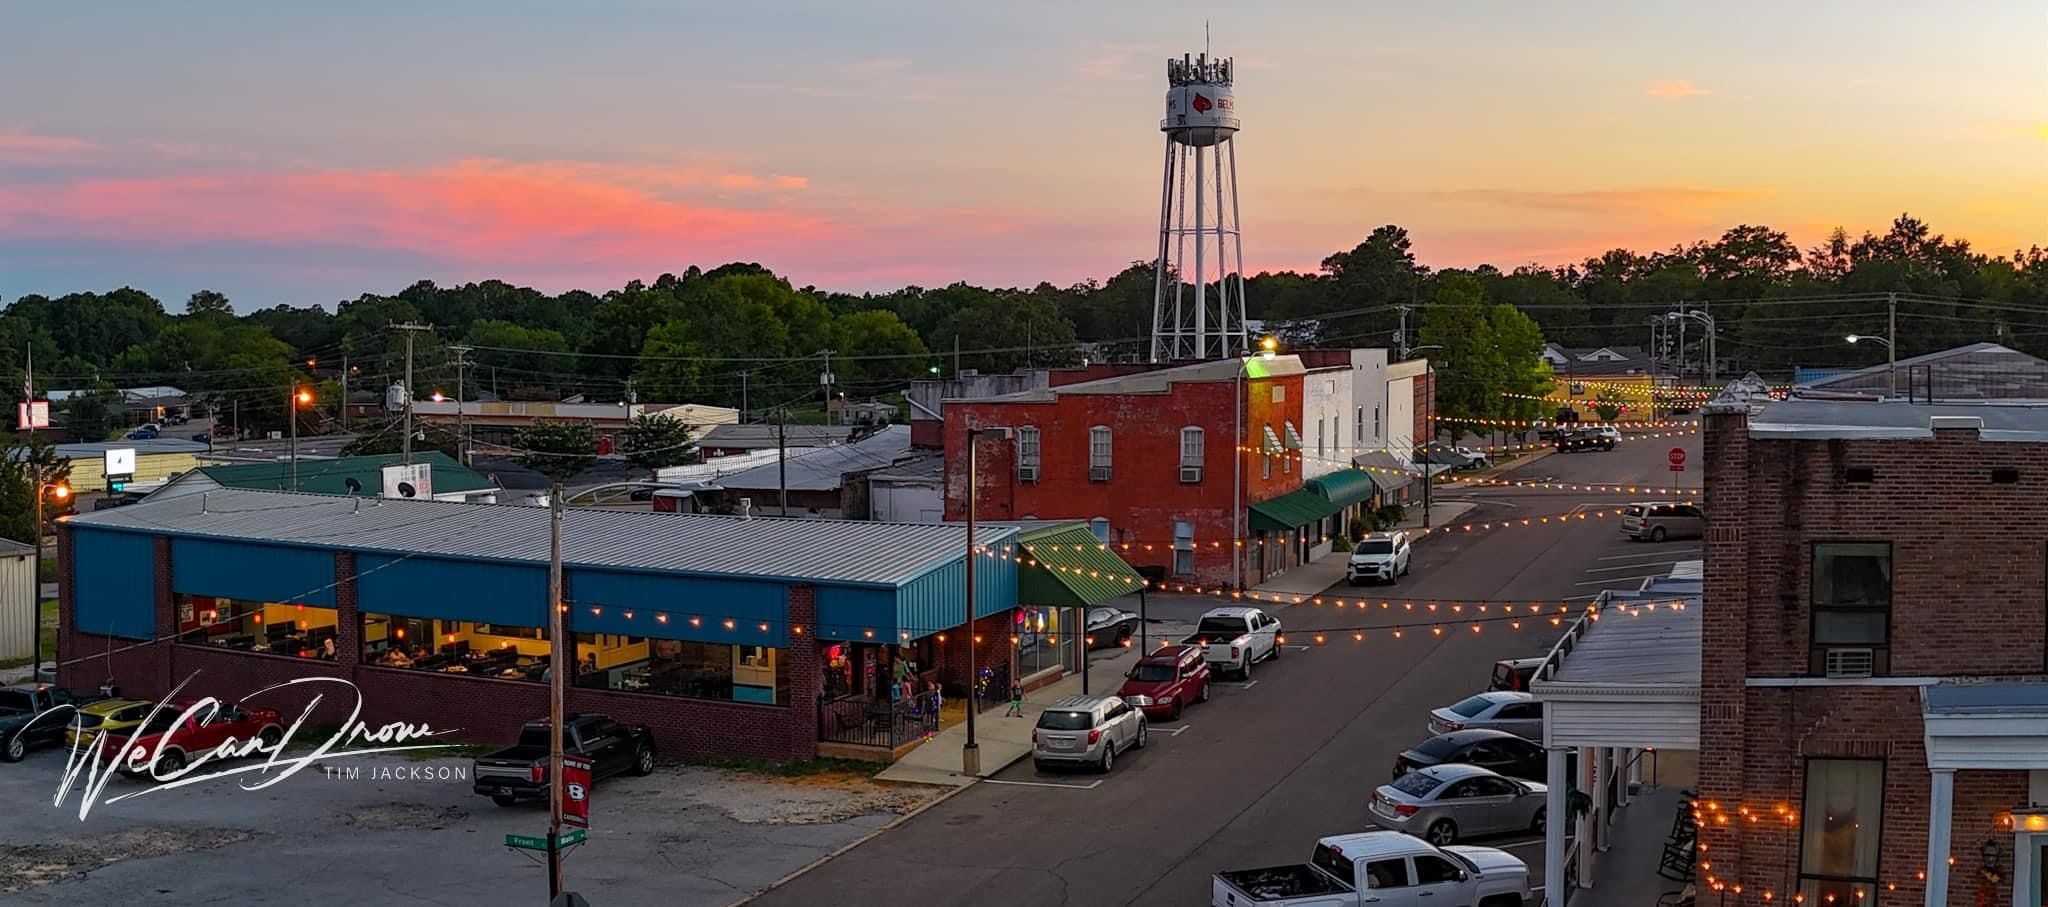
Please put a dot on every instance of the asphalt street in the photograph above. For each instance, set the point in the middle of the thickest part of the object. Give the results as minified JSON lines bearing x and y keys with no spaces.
{"x":1253,"y":777}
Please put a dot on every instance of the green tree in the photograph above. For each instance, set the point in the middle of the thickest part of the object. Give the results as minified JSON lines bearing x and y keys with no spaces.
{"x":671,"y":362}
{"x":1608,"y":405}
{"x":556,"y":449}
{"x":877,"y":333}
{"x":208,"y":302}
{"x":92,"y":416}
{"x":655,"y":441}
{"x":25,"y":467}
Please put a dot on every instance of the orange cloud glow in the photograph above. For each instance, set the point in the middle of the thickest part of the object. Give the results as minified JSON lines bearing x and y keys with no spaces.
{"x":1675,"y":89}
{"x":1663,"y":201}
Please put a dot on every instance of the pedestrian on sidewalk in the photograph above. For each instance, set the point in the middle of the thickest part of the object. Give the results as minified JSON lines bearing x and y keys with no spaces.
{"x":1016,"y":701}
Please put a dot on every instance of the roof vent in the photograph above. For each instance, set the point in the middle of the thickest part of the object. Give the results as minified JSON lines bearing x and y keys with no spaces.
{"x":1956,"y":423}
{"x":747,"y":508}
{"x":1860,"y":475}
{"x":2005,"y":475}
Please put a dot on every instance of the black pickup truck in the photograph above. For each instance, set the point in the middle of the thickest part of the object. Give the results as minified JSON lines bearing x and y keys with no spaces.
{"x":36,"y":714}
{"x":514,"y":775}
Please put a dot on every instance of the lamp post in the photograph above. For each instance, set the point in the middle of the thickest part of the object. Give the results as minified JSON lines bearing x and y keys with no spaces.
{"x":1429,"y":425}
{"x":1891,"y":351}
{"x":298,"y":397}
{"x":1713,"y":361}
{"x":1268,"y":348}
{"x":970,"y":754}
{"x":61,"y":491}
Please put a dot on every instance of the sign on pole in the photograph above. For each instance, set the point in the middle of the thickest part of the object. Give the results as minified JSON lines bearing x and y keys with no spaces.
{"x":527,"y":842}
{"x":1677,"y":458}
{"x":33,"y":415}
{"x":576,"y":791}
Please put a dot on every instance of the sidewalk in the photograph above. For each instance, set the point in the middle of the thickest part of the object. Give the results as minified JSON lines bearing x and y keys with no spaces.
{"x":1317,"y":576}
{"x":1003,"y":741}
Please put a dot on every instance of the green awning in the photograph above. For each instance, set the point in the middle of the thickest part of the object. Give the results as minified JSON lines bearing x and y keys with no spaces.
{"x":1344,"y":487}
{"x":1291,"y":510}
{"x":1067,"y":567}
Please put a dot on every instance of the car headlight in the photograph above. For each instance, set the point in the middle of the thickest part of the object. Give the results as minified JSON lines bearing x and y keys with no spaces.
{"x":1166,"y":700}
{"x":1138,"y":700}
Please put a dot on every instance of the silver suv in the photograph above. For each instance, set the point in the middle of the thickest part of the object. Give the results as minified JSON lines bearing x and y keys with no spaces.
{"x":1086,"y":730}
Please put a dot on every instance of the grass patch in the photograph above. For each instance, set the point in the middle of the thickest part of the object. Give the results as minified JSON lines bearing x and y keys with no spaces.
{"x":805,"y":768}
{"x":49,"y":646}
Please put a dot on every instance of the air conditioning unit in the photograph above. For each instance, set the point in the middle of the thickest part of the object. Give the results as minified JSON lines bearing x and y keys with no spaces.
{"x":1191,"y":474}
{"x":1849,"y":662}
{"x":1098,"y":473}
{"x":1027,"y":473}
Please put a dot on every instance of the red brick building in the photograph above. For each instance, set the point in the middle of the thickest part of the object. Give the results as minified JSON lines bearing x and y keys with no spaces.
{"x":1874,"y":714}
{"x":1150,"y":460}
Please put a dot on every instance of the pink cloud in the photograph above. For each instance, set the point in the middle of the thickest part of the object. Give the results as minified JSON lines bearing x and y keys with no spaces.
{"x":1675,"y":89}
{"x":18,"y":146}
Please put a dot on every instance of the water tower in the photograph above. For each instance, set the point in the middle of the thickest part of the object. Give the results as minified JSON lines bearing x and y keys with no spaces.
{"x":1198,"y":301}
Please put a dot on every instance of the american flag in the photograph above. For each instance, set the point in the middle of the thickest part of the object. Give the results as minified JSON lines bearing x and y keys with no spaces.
{"x":28,"y":377}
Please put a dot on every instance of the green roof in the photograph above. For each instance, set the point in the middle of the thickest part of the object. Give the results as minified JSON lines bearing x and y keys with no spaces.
{"x":1068,"y":567}
{"x":1344,"y":487}
{"x":1295,"y":508}
{"x":331,"y":476}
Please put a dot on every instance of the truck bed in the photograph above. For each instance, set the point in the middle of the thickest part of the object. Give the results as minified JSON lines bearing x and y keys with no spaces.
{"x":1279,"y":883}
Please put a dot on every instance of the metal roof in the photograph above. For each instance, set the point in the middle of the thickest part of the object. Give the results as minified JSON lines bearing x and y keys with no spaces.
{"x":1986,"y":699}
{"x":825,"y":468}
{"x":929,"y":468}
{"x":1161,"y":381}
{"x":1634,"y":645}
{"x":1071,"y":568}
{"x":94,"y":450}
{"x":1982,"y":371}
{"x":12,"y":548}
{"x":756,"y":436}
{"x":1819,"y":419}
{"x":331,"y":476}
{"x":802,"y":550}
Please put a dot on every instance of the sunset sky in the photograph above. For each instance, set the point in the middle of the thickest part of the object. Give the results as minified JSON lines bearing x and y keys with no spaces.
{"x":311,"y":153}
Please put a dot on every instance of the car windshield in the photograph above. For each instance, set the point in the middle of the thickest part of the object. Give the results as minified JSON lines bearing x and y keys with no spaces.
{"x":1221,"y":627}
{"x":16,"y":702}
{"x":1064,"y":721}
{"x":1632,"y":510}
{"x":1376,"y":546}
{"x":1152,"y":673}
{"x":1439,"y":747}
{"x":1416,"y":784}
{"x":1472,"y":707}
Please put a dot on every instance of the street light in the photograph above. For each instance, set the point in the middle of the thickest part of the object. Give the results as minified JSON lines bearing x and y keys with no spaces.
{"x":970,"y":754}
{"x":1859,"y":338}
{"x":1429,"y":421}
{"x":62,"y":492}
{"x":299,"y":397}
{"x":1891,"y":353}
{"x":1713,"y":363}
{"x":1268,"y":349}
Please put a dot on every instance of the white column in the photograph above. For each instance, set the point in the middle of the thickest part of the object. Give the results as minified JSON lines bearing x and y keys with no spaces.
{"x":1603,"y":772}
{"x":1557,"y":812}
{"x":2023,"y":884}
{"x":1940,"y":810}
{"x":1585,"y":825}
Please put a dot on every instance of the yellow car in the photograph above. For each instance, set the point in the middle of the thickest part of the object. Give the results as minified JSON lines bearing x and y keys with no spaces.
{"x":117,"y":715}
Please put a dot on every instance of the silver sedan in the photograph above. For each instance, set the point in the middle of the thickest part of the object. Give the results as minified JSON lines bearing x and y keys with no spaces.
{"x":1446,"y":803}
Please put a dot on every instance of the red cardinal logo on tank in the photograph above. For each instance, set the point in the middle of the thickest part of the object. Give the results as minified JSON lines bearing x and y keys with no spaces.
{"x":1201,"y":104}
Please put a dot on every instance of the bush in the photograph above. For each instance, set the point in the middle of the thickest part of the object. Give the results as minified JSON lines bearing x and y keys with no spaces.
{"x":1360,"y":525}
{"x":1340,"y":543}
{"x":1390,"y":516}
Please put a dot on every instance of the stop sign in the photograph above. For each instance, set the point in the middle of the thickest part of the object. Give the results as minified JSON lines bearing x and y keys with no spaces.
{"x":1677,"y":458}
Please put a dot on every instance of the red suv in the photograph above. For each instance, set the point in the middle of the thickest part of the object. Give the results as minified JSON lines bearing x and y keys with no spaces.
{"x":1164,"y":682}
{"x":191,"y":738}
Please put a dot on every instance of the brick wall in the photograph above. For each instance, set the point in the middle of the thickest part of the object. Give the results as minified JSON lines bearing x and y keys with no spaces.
{"x":1967,"y":599}
{"x":478,"y":709}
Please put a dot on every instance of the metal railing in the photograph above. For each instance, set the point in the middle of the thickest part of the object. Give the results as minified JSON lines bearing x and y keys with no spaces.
{"x":861,"y":721}
{"x":1554,"y":659}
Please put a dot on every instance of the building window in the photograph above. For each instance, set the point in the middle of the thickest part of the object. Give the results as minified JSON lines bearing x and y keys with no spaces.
{"x":1266,"y":466}
{"x":1027,"y":448}
{"x":1359,"y":424}
{"x":1337,"y":435}
{"x":1319,"y":436}
{"x":1375,"y":421}
{"x":1042,"y":643}
{"x":1192,"y":453}
{"x":297,"y":630}
{"x":1184,"y":549}
{"x":1100,"y":526}
{"x":1098,"y":453}
{"x":1839,"y":831}
{"x":1852,"y":603}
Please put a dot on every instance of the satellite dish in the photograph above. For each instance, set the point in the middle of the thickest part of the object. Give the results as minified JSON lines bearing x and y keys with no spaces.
{"x":406,"y":489}
{"x":353,"y":486}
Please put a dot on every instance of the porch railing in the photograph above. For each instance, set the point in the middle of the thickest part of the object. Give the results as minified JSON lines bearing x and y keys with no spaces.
{"x":861,"y":721}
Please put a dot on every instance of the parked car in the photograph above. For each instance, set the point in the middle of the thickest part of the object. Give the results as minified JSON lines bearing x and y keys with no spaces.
{"x":1380,"y":867}
{"x":1379,"y":557}
{"x":141,"y":434}
{"x":1233,"y":638}
{"x":1457,"y":458}
{"x":1660,"y":520}
{"x":1109,"y":628}
{"x":203,"y":437}
{"x":1162,"y":683}
{"x":175,"y":739}
{"x":1584,"y":439}
{"x":520,"y":772}
{"x":35,"y":714}
{"x":1514,"y":673}
{"x":1447,"y":802}
{"x":1514,"y":712}
{"x":1477,"y":459}
{"x":108,"y":716}
{"x":1503,"y":752}
{"x":1087,"y":730}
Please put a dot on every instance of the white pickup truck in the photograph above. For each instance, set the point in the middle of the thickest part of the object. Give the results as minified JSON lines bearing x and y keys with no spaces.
{"x":1233,"y":638}
{"x":1382,"y":868}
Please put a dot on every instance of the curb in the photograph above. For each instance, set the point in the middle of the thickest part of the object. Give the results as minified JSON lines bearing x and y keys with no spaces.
{"x":863,"y":839}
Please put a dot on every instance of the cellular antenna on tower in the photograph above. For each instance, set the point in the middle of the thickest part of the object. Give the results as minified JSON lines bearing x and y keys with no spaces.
{"x":1198,"y":303}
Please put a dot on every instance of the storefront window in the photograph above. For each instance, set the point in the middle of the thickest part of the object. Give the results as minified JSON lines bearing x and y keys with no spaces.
{"x":1042,"y":640}
{"x":455,"y":647}
{"x":1840,"y":830}
{"x":701,"y":670}
{"x":301,"y":631}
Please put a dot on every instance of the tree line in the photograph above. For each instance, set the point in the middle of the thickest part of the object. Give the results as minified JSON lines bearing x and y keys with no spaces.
{"x":740,"y":335}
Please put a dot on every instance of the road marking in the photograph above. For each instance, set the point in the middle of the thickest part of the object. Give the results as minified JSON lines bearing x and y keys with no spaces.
{"x":1171,"y":732}
{"x":1241,"y":686}
{"x":1635,"y":566}
{"x":1089,"y":786}
{"x":1298,"y":649}
{"x":1658,"y":553}
{"x":1621,"y":579}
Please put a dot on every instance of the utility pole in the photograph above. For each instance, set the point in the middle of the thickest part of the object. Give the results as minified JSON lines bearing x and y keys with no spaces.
{"x":1401,"y":334}
{"x":461,"y":421}
{"x":782,"y":463}
{"x":826,"y":380}
{"x":956,"y":355}
{"x":344,"y":389}
{"x":743,"y":396}
{"x":1891,"y":343}
{"x":411,"y":330}
{"x":558,"y":684}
